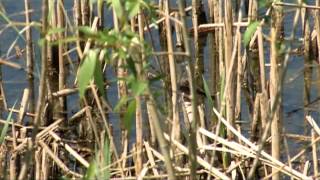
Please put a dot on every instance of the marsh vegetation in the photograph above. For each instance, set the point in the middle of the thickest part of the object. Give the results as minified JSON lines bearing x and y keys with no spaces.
{"x":138,"y":89}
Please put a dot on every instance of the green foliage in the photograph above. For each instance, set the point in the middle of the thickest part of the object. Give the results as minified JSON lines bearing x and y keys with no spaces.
{"x":6,"y":125}
{"x":123,"y":44}
{"x":138,"y":87}
{"x":133,"y":7}
{"x":251,"y":29}
{"x":106,"y":160}
{"x":207,"y":92}
{"x":129,"y":115}
{"x":53,"y":31}
{"x":116,"y":4}
{"x":127,"y":9}
{"x":90,"y":69}
{"x":281,"y":48}
{"x":99,"y":168}
{"x":264,"y":3}
{"x":91,"y":171}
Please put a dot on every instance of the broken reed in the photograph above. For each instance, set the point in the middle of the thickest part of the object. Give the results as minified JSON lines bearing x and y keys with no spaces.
{"x":190,"y":127}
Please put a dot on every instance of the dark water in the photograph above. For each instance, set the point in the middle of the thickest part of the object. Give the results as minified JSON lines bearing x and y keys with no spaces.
{"x":15,"y":80}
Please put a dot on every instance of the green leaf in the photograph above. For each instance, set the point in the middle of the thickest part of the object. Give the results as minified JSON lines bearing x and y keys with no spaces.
{"x":129,"y":115}
{"x":133,"y":7}
{"x":91,"y":171}
{"x":264,"y":3}
{"x":208,"y":94}
{"x":120,"y":103}
{"x":92,"y":2}
{"x":52,"y":31}
{"x":131,"y":66}
{"x":138,"y":87}
{"x":251,"y":29}
{"x":51,"y":10}
{"x":98,"y":78}
{"x":107,"y":159}
{"x":86,"y":72}
{"x":86,"y":30}
{"x":6,"y":125}
{"x":118,"y":8}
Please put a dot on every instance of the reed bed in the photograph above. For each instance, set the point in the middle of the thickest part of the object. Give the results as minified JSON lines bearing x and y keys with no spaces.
{"x":134,"y":89}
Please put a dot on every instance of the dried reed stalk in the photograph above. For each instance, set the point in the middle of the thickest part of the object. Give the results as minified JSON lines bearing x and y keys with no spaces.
{"x":43,"y":76}
{"x":276,"y":24}
{"x":193,"y":97}
{"x":175,"y":131}
{"x":29,"y":57}
{"x":228,"y":45}
{"x":61,"y":50}
{"x":139,"y":112}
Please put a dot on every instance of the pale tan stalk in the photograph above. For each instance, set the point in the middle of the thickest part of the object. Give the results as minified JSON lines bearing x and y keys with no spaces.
{"x":61,"y":50}
{"x":307,"y":56}
{"x":239,"y":74}
{"x":261,"y":60}
{"x":201,"y":161}
{"x":228,"y":45}
{"x":151,"y":158}
{"x":175,"y":131}
{"x":276,"y":25}
{"x":58,"y":161}
{"x":214,"y":46}
{"x":85,"y":12}
{"x":193,"y":98}
{"x":44,"y":57}
{"x":23,"y":105}
{"x":29,"y":57}
{"x":139,"y":120}
{"x":43,"y":76}
{"x":70,"y":150}
{"x":314,"y":154}
{"x":274,"y":105}
{"x":285,"y":142}
{"x":13,"y":158}
{"x":251,"y":146}
{"x":122,"y":92}
{"x":160,"y":137}
{"x":255,"y":119}
{"x":77,"y":23}
{"x":317,"y":30}
{"x":37,"y":159}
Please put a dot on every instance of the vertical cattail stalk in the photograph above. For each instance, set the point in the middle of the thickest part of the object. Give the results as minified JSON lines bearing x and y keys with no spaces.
{"x":42,"y":84}
{"x":139,"y":123}
{"x":122,"y":92}
{"x":29,"y":57}
{"x":307,"y":59}
{"x":228,"y":44}
{"x":190,"y":71}
{"x":43,"y":76}
{"x":314,"y":153}
{"x":275,"y":83}
{"x":175,"y":131}
{"x":317,"y":42}
{"x":61,"y":50}
{"x":214,"y":49}
{"x":261,"y":60}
